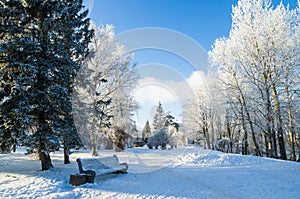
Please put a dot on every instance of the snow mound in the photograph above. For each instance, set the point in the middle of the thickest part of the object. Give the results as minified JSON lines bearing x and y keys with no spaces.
{"x":216,"y":159}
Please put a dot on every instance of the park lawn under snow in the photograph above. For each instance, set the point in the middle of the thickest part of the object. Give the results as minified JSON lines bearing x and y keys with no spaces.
{"x":187,"y":172}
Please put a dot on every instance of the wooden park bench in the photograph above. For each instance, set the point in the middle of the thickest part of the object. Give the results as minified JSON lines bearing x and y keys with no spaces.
{"x":93,"y":167}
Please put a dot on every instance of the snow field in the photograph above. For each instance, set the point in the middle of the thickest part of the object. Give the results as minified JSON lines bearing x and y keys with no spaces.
{"x":187,"y":172}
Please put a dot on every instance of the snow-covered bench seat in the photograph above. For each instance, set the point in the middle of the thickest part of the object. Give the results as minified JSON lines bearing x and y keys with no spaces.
{"x":100,"y":166}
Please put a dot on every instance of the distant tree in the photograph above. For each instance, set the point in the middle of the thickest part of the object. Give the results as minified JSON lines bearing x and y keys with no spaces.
{"x":160,"y":138}
{"x":42,"y":44}
{"x":169,"y":121}
{"x":158,"y":120}
{"x":146,"y":132}
{"x":162,"y":119}
{"x":162,"y":123}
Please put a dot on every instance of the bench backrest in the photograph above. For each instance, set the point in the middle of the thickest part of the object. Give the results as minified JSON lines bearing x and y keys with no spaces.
{"x":110,"y":162}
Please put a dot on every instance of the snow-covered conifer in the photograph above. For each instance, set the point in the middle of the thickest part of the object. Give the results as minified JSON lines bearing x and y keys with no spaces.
{"x":44,"y":44}
{"x":159,"y":119}
{"x":146,"y":132}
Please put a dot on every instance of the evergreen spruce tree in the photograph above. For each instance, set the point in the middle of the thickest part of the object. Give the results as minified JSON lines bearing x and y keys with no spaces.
{"x":158,"y":120}
{"x":162,"y":119}
{"x":42,"y":44}
{"x":169,"y":121}
{"x":146,"y":133}
{"x":8,"y":126}
{"x":17,"y":72}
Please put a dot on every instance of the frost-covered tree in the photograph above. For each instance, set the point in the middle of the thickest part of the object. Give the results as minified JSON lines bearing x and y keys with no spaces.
{"x":102,"y":92}
{"x":201,"y":116}
{"x":162,"y":119}
{"x":256,"y":61}
{"x":123,"y":105}
{"x":162,"y":122}
{"x":160,"y":138}
{"x":167,"y":135}
{"x":42,"y":43}
{"x":201,"y":113}
{"x":159,"y":118}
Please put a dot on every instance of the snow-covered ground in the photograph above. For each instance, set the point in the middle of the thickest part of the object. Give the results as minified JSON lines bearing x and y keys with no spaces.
{"x":188,"y":172}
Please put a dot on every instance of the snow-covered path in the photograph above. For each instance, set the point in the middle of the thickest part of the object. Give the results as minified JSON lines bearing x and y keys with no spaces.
{"x":179,"y":173}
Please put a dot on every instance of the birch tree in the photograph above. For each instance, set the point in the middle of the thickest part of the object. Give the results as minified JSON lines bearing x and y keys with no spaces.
{"x":201,"y":117}
{"x":102,"y":94}
{"x":259,"y":53}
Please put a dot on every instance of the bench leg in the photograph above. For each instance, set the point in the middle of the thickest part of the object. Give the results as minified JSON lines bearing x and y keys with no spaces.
{"x":91,"y":176}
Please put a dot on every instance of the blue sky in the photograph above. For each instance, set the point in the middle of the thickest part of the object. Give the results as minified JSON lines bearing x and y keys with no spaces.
{"x":201,"y":20}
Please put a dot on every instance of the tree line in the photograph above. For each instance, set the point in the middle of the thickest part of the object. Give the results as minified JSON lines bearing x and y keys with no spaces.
{"x":250,"y":104}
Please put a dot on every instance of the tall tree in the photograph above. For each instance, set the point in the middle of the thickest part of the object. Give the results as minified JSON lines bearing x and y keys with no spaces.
{"x":42,"y":57}
{"x":159,"y":118}
{"x":146,"y":133}
{"x":102,"y":92}
{"x":199,"y":114}
{"x":13,"y":110}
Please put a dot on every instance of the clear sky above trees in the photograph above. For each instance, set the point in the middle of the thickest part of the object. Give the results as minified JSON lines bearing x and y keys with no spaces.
{"x":202,"y":20}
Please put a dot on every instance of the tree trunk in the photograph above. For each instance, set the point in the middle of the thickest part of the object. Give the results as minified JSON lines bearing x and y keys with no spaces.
{"x":94,"y":147}
{"x":206,"y":135}
{"x":279,"y":123}
{"x":256,"y":146}
{"x":267,"y":145}
{"x":45,"y":161}
{"x":229,"y":133}
{"x":292,"y":137}
{"x":270,"y":125}
{"x":242,"y":101}
{"x":44,"y":156}
{"x":237,"y":139}
{"x":274,"y":144}
{"x":94,"y":150}
{"x":109,"y":145}
{"x":14,"y":147}
{"x":213,"y":135}
{"x":245,"y":150}
{"x":66,"y":155}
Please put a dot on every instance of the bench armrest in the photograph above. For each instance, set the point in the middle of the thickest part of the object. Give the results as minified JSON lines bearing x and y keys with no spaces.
{"x":125,"y":169}
{"x":78,"y":160}
{"x":91,"y":177}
